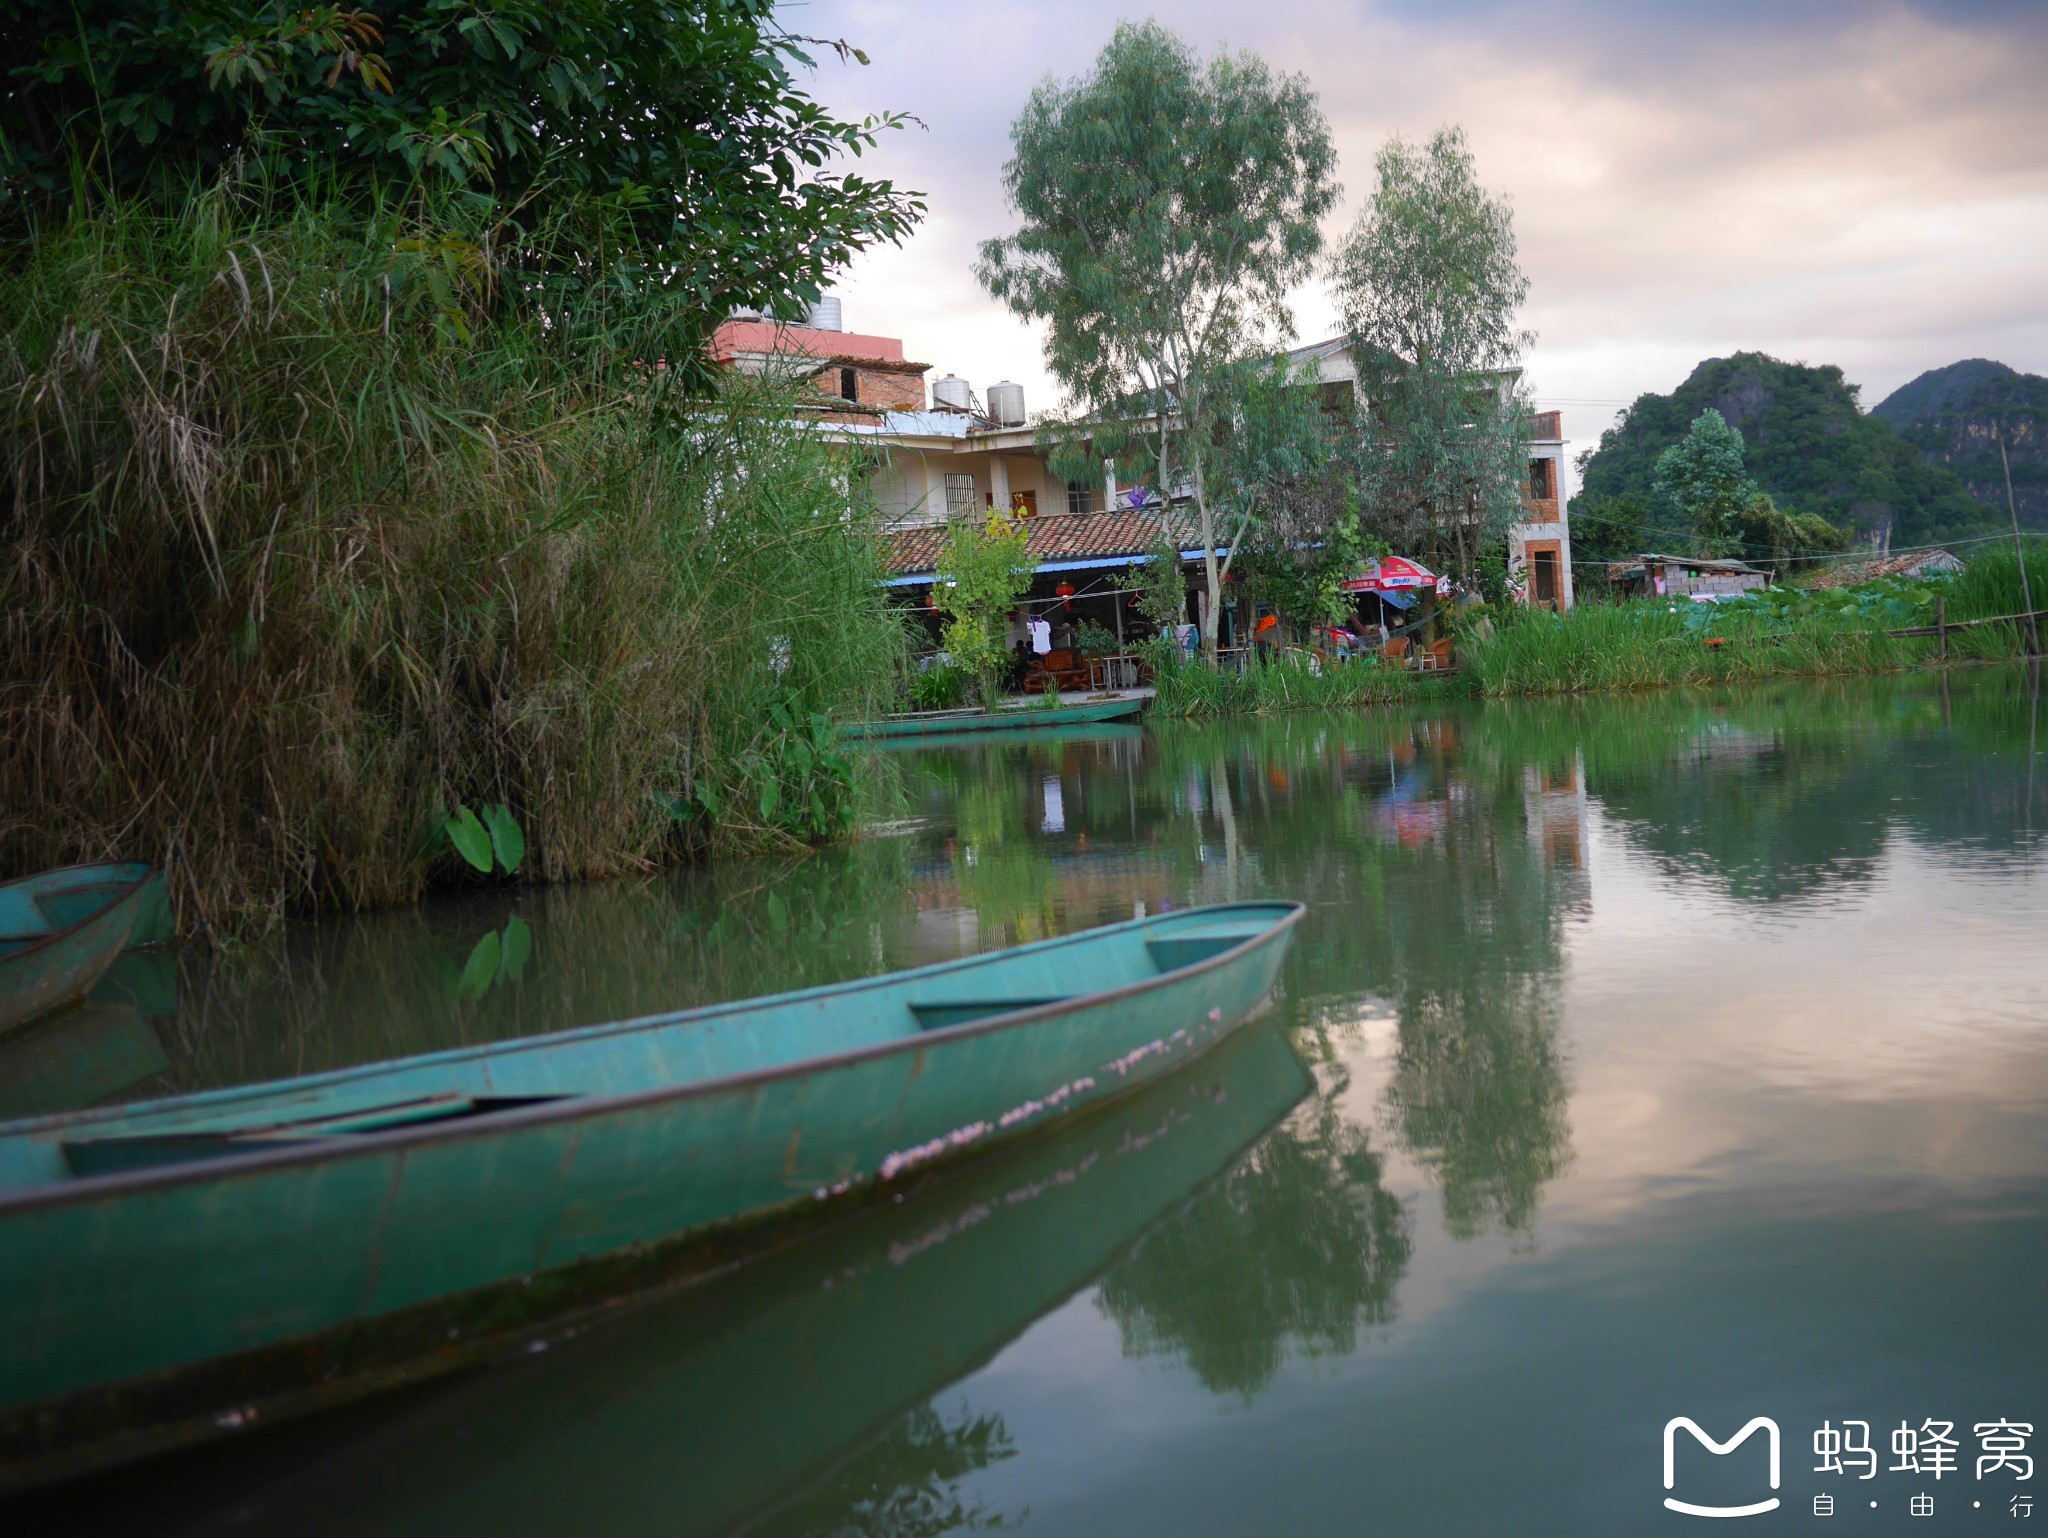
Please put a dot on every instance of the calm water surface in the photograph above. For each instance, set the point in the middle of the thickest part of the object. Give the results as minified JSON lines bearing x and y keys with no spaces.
{"x":1683,"y":1055}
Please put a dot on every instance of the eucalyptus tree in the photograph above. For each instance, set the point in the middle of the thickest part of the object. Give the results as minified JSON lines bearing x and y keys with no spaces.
{"x":1428,"y":285}
{"x":1168,"y":204}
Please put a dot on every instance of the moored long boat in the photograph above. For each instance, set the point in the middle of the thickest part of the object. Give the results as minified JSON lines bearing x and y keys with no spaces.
{"x":164,"y":1267}
{"x":1006,"y":718}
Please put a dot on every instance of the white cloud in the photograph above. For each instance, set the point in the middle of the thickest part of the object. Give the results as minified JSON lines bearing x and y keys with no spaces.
{"x":1844,"y":183}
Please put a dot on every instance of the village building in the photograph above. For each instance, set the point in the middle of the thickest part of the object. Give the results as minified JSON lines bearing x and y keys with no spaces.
{"x":1685,"y":576}
{"x":940,"y":452}
{"x":1540,"y":546}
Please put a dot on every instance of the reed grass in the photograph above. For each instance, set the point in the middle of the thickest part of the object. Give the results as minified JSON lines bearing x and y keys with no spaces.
{"x":1193,"y":689}
{"x":1645,"y":646}
{"x":313,"y":532}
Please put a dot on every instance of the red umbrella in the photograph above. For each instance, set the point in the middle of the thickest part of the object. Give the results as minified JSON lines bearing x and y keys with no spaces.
{"x":1390,"y":574}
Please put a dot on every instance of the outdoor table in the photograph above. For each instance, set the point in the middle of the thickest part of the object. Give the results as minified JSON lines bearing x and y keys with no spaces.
{"x":1115,"y":672}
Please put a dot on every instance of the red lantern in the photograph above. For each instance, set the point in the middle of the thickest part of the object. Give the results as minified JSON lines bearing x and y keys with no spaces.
{"x":1065,"y":591}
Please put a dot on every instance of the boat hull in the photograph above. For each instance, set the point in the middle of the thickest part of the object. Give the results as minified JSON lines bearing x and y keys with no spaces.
{"x":102,"y":906}
{"x":705,"y":1408}
{"x":137,"y":1300}
{"x":1020,"y":718}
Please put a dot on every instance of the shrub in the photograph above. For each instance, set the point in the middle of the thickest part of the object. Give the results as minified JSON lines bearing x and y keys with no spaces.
{"x":296,"y":565}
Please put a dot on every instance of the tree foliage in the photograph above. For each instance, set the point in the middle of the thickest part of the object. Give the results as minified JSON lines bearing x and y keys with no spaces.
{"x":674,"y":136}
{"x":1701,"y":475}
{"x":1957,"y":417}
{"x":1806,"y":443}
{"x":1702,"y":478}
{"x":1428,"y":286}
{"x":984,"y":570}
{"x":1167,"y":206}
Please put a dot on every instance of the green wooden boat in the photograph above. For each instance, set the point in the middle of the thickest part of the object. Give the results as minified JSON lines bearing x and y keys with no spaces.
{"x":60,"y":930}
{"x":704,"y":1409}
{"x":166,"y":1265}
{"x":945,"y":723}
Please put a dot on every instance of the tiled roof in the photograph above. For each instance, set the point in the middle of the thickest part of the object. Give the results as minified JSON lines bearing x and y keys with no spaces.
{"x":1051,"y":537}
{"x":1922,"y":563}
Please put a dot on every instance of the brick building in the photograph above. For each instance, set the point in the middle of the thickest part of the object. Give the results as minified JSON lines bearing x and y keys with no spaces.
{"x":846,"y":367}
{"x":940,"y":457}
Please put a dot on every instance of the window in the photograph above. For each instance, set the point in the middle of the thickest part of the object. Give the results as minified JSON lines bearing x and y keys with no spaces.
{"x":1542,"y":479}
{"x":849,"y":385}
{"x":1080,"y":497}
{"x":1544,"y":586}
{"x":959,"y":494}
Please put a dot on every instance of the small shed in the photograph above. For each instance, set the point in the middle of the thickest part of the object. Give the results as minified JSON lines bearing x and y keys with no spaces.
{"x":1685,"y":576}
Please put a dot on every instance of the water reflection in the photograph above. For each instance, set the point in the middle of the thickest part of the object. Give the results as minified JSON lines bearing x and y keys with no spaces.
{"x":1562,"y":959}
{"x":1295,"y":1250}
{"x":908,"y":1484}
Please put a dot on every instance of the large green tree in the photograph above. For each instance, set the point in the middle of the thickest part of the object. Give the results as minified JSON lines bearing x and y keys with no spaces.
{"x":1702,"y":477}
{"x":668,"y":140}
{"x":1429,"y":287}
{"x":1168,"y":204}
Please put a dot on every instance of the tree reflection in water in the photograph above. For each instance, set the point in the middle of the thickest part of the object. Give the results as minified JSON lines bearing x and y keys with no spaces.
{"x":904,"y":1485}
{"x":1295,"y":1249}
{"x":1480,"y":1100}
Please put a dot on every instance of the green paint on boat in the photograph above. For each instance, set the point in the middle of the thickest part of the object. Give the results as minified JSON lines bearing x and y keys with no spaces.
{"x":727,"y":1400}
{"x":310,"y":1212}
{"x":947,"y":723}
{"x":61,"y":929}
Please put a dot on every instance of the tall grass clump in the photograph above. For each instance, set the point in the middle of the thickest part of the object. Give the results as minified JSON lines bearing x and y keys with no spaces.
{"x":1656,"y":645}
{"x":316,"y":530}
{"x":1989,"y":586}
{"x":1264,"y":687}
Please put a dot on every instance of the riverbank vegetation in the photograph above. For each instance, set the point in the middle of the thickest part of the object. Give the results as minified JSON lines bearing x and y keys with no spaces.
{"x":1781,"y":632}
{"x":360,"y":468}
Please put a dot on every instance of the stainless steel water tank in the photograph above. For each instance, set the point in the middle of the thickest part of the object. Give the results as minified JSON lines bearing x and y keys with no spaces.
{"x":952,"y":392}
{"x":825,"y":315}
{"x":1006,"y":404}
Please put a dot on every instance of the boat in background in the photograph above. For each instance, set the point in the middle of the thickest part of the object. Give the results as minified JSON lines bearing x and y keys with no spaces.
{"x":60,"y":931}
{"x":368,"y":1226}
{"x":1005,"y":718}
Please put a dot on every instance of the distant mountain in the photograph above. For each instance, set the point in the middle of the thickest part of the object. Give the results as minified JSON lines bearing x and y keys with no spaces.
{"x":1806,"y":441}
{"x":1951,"y":416}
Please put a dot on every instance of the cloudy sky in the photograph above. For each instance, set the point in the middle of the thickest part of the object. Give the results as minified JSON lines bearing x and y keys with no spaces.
{"x":1859,"y":182}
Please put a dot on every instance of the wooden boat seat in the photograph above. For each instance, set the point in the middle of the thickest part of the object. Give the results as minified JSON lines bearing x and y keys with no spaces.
{"x":107,"y":1155}
{"x":939,"y":1014}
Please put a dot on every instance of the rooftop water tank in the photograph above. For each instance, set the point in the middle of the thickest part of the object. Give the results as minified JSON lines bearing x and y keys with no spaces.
{"x":1006,"y":404}
{"x":952,"y":394}
{"x":825,"y":314}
